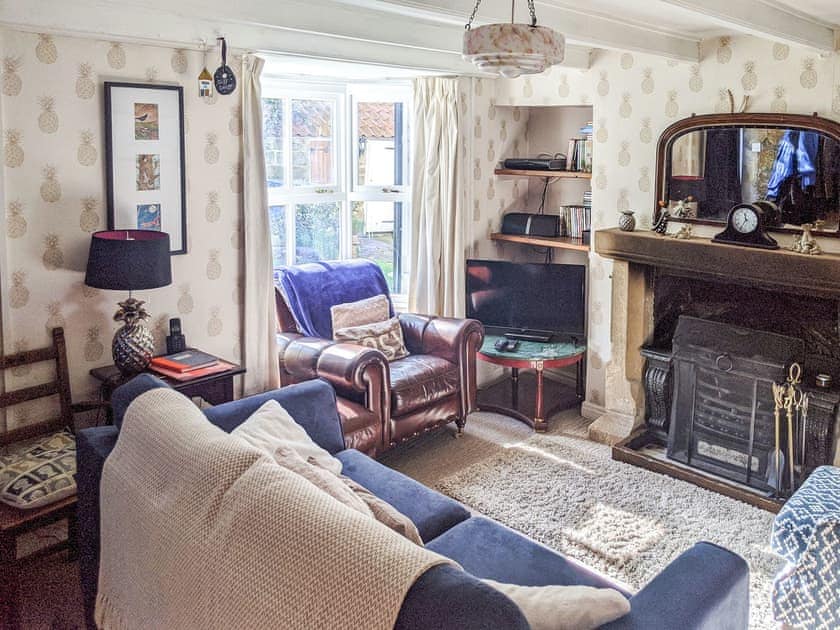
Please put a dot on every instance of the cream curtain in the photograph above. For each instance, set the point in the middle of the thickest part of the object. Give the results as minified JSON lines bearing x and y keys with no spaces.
{"x":438,"y":240}
{"x":259,"y":318}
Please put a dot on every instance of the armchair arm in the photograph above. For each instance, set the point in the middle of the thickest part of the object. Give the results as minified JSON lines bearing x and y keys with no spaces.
{"x":706,"y":588}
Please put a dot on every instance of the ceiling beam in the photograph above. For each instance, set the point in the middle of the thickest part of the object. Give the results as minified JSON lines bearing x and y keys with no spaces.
{"x":578,"y":26}
{"x":764,"y":19}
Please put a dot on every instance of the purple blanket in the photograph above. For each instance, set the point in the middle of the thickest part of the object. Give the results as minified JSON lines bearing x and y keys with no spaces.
{"x":313,"y":288}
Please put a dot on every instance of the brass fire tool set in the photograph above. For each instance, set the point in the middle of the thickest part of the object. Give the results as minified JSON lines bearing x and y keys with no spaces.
{"x":789,"y":397}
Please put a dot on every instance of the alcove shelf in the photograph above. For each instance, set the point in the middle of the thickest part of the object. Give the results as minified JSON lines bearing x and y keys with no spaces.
{"x":545,"y":174}
{"x":556,"y":242}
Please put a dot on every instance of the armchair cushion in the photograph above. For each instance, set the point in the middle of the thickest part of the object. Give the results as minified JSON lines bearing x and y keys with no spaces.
{"x":420,"y":380}
{"x":385,"y":336}
{"x":367,"y":311}
{"x":311,"y":290}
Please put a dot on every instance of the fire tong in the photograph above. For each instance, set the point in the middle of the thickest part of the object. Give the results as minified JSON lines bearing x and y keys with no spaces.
{"x":790,"y":397}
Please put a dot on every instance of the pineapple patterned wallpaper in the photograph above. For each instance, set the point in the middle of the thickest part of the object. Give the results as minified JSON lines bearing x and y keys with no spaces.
{"x":54,"y":190}
{"x":634,"y":98}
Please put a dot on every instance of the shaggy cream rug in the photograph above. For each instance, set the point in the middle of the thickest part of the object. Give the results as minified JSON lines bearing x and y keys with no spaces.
{"x":627,"y":522}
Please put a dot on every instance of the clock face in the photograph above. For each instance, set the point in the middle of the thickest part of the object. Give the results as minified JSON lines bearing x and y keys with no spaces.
{"x":745,"y":220}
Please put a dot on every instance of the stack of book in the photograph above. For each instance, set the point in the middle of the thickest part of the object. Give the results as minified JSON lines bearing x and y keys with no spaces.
{"x":580,"y":151}
{"x":575,"y":220}
{"x":188,"y":364}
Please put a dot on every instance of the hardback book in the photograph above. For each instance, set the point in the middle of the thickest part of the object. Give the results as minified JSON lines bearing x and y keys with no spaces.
{"x":219,"y":366}
{"x":185,"y":361}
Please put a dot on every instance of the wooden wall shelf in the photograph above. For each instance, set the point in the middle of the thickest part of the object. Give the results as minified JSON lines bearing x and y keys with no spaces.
{"x":544,"y":174}
{"x":557,"y":242}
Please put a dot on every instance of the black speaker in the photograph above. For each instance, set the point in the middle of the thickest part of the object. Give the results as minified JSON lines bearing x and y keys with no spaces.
{"x":530,"y":224}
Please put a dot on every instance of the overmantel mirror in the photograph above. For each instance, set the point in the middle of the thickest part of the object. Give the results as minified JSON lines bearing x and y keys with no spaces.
{"x":708,"y":164}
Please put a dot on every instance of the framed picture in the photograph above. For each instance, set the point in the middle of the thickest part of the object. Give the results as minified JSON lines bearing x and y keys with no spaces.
{"x":144,"y":157}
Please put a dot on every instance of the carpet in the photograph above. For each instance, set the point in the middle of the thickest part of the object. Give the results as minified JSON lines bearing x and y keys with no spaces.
{"x":624,"y":521}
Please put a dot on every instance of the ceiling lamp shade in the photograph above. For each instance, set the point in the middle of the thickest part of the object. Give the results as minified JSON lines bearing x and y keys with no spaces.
{"x":510,"y":50}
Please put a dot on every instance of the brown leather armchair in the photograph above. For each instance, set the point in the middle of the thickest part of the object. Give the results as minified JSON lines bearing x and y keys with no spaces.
{"x":382,"y":404}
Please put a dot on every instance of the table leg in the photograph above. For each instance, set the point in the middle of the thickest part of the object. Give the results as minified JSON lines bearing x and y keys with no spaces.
{"x":579,"y":377}
{"x":540,"y":424}
{"x":9,"y":616}
{"x":514,"y":387}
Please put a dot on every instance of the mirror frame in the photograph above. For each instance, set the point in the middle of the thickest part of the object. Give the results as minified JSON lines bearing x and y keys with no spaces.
{"x":695,"y":122}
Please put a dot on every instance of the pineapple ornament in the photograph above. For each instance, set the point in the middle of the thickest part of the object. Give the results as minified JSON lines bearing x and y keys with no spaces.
{"x":133,"y":345}
{"x":11,"y":82}
{"x":780,"y":52}
{"x":779,"y":103}
{"x":85,"y":87}
{"x":624,"y":154}
{"x":235,"y":123}
{"x":625,"y":110}
{"x":116,"y":56}
{"x":15,"y":221}
{"x":50,"y":187}
{"x":235,"y":181}
{"x":179,"y":62}
{"x":185,"y":301}
{"x":214,"y":267}
{"x":48,"y":120}
{"x":13,"y":151}
{"x":809,"y":78}
{"x":627,"y":61}
{"x":672,"y":108}
{"x":647,"y":81}
{"x":724,"y":50}
{"x":55,"y":319}
{"x":214,"y":324}
{"x":563,"y":89}
{"x":603,"y":84}
{"x":749,"y":80}
{"x":18,"y":294}
{"x":601,"y":178}
{"x":93,"y":346}
{"x":645,"y":132}
{"x":211,"y":149}
{"x":86,"y":153}
{"x":19,"y":371}
{"x":45,"y":51}
{"x":53,"y":257}
{"x":602,"y":135}
{"x":89,"y":218}
{"x":695,"y":83}
{"x":213,"y":211}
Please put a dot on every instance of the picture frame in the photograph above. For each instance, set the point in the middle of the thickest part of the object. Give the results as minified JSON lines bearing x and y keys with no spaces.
{"x":145,"y":159}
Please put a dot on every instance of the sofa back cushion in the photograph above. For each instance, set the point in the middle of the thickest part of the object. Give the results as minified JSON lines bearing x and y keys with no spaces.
{"x":312,"y":289}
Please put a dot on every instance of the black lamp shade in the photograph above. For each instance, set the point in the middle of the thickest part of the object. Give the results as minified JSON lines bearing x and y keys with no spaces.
{"x":129,"y":260}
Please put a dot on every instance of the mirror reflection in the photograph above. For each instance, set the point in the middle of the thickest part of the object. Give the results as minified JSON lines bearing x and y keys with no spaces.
{"x":708,"y":171}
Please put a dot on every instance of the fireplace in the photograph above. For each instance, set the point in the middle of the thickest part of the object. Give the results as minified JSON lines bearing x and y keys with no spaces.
{"x":790,"y":307}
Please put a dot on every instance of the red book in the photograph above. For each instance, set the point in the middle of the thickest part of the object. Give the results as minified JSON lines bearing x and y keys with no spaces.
{"x":221,"y":366}
{"x":185,"y":361}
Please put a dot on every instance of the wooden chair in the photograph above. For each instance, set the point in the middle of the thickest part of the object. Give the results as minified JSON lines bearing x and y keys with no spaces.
{"x":13,"y":521}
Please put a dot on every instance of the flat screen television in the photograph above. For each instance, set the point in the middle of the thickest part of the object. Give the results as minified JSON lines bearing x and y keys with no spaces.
{"x":510,"y":297}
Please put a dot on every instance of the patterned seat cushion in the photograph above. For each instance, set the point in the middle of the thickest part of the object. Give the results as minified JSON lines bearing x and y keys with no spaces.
{"x":38,"y":472}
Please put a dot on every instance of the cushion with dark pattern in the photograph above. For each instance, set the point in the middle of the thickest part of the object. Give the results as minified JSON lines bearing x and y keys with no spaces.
{"x":37,"y":472}
{"x":385,"y":336}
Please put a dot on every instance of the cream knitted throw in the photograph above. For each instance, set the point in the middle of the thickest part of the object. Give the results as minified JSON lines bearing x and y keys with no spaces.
{"x":202,"y":530}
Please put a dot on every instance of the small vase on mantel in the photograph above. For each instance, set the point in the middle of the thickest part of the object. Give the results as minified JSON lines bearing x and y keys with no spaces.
{"x":627,"y":222}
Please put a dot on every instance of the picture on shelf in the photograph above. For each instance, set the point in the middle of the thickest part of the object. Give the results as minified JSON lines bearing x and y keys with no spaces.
{"x":146,"y":121}
{"x":148,"y":171}
{"x":148,"y":216}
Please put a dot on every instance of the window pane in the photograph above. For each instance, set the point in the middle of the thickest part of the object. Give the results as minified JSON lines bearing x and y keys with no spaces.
{"x":312,"y":143}
{"x":277,"y":219}
{"x":374,"y":225}
{"x":317,"y":227}
{"x":380,"y":144}
{"x":273,"y":141}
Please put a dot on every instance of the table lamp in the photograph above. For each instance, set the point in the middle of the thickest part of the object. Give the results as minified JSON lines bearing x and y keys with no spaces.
{"x":130,"y":260}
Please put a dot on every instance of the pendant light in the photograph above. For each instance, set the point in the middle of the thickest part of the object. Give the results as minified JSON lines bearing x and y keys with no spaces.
{"x":510,"y":50}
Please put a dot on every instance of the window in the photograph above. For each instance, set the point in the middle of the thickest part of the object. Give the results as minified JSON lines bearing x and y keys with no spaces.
{"x":337,"y":172}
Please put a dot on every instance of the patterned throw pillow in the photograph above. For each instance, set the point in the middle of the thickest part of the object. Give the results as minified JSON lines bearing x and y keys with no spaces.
{"x":385,"y":336}
{"x":38,"y":472}
{"x":367,"y":311}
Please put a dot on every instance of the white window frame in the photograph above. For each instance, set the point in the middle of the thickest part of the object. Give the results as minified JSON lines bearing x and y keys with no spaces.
{"x":344,"y":96}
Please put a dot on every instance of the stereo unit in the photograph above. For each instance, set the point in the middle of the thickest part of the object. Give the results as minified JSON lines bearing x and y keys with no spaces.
{"x":537,"y":164}
{"x":528,"y":224}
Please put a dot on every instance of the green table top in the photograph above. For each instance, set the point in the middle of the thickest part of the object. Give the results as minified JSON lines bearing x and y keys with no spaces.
{"x":533,"y":350}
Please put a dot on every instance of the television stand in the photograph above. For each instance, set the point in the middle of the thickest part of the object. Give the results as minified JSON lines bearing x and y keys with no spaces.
{"x":529,"y":336}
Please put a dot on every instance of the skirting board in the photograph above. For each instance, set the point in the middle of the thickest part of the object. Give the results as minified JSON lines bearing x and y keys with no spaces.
{"x":591,"y":411}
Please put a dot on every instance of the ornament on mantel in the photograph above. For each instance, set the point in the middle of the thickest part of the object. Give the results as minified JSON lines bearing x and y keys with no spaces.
{"x":627,"y":222}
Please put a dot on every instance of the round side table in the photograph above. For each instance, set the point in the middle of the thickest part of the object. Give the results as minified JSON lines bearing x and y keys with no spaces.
{"x":505,"y":398}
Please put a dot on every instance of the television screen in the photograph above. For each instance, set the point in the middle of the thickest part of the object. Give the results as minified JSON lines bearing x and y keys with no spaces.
{"x":522,"y":297}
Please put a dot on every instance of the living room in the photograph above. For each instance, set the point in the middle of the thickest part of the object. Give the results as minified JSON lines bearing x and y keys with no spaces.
{"x":363,"y":132}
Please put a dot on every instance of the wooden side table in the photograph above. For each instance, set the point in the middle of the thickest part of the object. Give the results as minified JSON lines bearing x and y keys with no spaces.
{"x":214,"y":388}
{"x":533,"y":404}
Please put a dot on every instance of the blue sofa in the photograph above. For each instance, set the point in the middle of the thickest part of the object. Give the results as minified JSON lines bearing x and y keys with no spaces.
{"x":703,"y":589}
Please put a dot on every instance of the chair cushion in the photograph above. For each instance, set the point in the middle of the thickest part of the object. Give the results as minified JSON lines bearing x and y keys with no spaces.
{"x":816,"y":502}
{"x":489,"y":550}
{"x":430,"y":511}
{"x":419,"y":380}
{"x":367,"y":311}
{"x":35,"y":473}
{"x":387,"y":337}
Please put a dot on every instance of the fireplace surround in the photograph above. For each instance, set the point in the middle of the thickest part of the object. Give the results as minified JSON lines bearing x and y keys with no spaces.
{"x":656,"y":279}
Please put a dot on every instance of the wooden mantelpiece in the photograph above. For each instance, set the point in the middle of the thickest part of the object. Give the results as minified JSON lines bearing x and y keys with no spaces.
{"x":779,"y":268}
